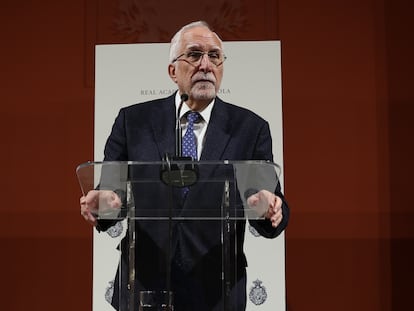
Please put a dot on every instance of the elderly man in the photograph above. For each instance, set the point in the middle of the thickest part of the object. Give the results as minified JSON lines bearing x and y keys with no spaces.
{"x":219,"y":131}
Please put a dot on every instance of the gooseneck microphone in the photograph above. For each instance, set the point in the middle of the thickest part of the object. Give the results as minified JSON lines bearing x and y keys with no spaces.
{"x":175,"y":175}
{"x":178,"y":134}
{"x":179,"y":171}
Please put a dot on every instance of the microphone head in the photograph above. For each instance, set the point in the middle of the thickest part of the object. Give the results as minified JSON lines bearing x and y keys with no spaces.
{"x":184,"y":97}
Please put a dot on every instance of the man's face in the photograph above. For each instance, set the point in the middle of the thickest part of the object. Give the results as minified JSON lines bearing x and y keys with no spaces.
{"x":200,"y":80}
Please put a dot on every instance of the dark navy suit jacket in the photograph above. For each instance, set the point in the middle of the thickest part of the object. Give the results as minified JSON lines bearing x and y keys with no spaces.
{"x":146,"y":132}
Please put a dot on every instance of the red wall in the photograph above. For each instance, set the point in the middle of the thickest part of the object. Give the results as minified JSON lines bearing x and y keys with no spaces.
{"x":347,"y":101}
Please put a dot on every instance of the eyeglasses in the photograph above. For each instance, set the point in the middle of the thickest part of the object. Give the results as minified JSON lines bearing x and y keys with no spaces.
{"x":194,"y":57}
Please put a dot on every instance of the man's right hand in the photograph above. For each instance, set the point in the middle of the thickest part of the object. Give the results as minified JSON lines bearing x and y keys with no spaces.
{"x":99,"y":202}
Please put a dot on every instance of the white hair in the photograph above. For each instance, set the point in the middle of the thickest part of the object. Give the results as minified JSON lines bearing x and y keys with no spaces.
{"x":176,"y":39}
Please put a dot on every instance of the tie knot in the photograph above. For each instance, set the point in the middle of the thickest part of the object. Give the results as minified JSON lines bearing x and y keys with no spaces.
{"x":192,"y":117}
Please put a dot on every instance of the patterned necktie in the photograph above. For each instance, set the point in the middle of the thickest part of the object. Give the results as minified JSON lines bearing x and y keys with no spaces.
{"x":189,"y":147}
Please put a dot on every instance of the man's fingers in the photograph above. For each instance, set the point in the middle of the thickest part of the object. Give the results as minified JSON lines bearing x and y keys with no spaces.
{"x":87,"y":204}
{"x":275,"y":211}
{"x":276,"y":219}
{"x":87,"y":215}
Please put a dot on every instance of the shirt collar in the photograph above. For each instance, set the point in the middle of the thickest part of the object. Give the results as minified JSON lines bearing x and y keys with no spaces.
{"x":205,"y":113}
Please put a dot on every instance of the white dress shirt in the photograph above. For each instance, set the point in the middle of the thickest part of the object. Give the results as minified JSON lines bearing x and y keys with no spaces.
{"x":200,"y":127}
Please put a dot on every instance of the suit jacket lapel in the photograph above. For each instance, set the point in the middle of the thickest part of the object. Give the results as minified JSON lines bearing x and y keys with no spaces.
{"x":163,"y":125}
{"x":218,"y":133}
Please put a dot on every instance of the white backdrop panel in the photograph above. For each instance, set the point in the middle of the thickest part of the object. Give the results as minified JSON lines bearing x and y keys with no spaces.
{"x":131,"y":73}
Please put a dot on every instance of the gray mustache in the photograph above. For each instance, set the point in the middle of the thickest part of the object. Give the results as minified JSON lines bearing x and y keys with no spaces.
{"x":203,"y":77}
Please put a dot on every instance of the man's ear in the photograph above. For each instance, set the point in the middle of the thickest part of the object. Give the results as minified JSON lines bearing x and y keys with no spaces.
{"x":171,"y":72}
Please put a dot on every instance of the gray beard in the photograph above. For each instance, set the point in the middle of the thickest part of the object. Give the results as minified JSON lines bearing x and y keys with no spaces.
{"x":204,"y":93}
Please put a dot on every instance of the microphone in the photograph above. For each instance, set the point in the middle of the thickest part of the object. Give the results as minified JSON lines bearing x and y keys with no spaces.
{"x":174,"y":172}
{"x":178,"y":134}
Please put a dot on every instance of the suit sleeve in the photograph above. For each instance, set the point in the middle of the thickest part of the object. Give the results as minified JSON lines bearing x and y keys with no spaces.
{"x":115,"y":150}
{"x":116,"y":145}
{"x":263,"y":151}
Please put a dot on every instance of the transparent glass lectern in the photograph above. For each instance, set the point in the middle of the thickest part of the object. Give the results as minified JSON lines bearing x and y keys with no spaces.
{"x":186,"y":223}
